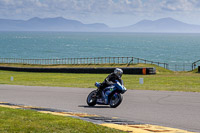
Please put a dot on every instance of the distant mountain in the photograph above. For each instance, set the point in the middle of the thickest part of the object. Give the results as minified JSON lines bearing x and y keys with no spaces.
{"x":61,"y":24}
{"x":162,"y":25}
{"x":49,"y":24}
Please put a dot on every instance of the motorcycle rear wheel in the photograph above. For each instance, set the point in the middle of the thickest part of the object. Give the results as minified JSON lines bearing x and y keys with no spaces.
{"x":115,"y":100}
{"x":92,"y":99}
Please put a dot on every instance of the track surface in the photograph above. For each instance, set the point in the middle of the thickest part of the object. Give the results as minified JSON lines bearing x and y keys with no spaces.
{"x":173,"y":109}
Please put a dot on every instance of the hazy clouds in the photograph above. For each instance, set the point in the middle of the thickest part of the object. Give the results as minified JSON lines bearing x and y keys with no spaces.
{"x":111,"y":12}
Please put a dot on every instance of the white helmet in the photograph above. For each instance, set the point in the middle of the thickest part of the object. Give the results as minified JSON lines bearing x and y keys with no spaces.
{"x":118,"y":72}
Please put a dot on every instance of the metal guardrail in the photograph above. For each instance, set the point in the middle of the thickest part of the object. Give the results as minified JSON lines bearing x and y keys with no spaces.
{"x":95,"y":60}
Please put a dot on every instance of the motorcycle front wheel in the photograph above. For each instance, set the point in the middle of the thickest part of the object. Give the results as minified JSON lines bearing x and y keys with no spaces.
{"x":115,"y":100}
{"x":92,"y":99}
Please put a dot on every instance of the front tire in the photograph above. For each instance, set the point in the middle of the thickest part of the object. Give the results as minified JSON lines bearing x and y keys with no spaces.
{"x":115,"y":100}
{"x":92,"y":99}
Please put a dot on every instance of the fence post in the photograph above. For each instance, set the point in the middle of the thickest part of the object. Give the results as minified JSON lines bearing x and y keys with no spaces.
{"x":132,"y":60}
{"x":118,"y":60}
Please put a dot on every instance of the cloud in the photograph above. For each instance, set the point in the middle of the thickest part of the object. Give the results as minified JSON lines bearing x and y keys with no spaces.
{"x":98,"y":10}
{"x":93,"y":6}
{"x":180,"y":5}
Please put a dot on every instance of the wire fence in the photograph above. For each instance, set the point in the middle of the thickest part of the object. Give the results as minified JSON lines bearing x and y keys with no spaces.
{"x":184,"y":66}
{"x":76,"y":61}
{"x":180,"y":67}
{"x":101,"y":60}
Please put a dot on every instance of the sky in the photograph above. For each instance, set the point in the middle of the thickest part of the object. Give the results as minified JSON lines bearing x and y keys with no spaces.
{"x":114,"y":13}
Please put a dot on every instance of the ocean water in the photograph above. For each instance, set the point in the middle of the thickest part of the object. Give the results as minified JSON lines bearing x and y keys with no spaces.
{"x":172,"y":48}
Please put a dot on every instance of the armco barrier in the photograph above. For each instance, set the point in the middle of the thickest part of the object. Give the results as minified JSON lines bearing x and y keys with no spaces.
{"x":129,"y":70}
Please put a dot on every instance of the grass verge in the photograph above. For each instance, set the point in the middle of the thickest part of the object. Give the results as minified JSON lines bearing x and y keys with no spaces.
{"x":163,"y":80}
{"x":18,"y":120}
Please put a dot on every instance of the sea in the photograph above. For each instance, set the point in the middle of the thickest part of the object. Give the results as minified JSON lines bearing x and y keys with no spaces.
{"x":176,"y":49}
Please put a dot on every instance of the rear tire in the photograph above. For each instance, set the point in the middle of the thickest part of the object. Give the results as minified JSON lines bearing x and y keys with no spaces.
{"x":92,"y":99}
{"x":115,"y":100}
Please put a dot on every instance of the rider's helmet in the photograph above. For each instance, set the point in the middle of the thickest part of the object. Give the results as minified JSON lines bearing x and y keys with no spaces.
{"x":118,"y":72}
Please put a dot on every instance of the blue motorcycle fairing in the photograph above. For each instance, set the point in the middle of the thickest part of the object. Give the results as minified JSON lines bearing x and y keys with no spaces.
{"x":117,"y":87}
{"x":97,"y":84}
{"x":107,"y":91}
{"x":120,"y":87}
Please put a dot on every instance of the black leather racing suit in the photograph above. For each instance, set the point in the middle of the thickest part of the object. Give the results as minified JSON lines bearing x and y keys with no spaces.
{"x":109,"y":80}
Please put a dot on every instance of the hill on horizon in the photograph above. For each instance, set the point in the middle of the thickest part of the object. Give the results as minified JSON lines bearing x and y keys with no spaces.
{"x":49,"y":24}
{"x":165,"y":25}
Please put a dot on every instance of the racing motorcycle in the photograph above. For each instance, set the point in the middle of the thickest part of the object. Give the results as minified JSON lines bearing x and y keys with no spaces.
{"x":111,"y":95}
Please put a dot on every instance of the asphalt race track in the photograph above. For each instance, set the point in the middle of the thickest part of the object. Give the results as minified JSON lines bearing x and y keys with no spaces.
{"x":172,"y":109}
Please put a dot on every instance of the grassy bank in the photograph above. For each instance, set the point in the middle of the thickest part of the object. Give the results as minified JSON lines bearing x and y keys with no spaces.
{"x":163,"y":80}
{"x":17,"y":120}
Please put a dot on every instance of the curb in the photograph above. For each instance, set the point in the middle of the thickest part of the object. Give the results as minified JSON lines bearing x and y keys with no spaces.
{"x":116,"y":123}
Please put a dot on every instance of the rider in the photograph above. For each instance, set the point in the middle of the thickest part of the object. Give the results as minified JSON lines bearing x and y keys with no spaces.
{"x":110,"y":80}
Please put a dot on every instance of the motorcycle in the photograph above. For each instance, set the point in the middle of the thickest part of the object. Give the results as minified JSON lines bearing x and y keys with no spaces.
{"x":111,"y":95}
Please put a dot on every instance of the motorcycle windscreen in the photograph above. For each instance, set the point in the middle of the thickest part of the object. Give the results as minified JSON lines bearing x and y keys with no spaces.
{"x":120,"y":87}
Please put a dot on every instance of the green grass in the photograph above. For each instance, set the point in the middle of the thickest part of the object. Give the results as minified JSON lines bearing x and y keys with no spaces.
{"x":28,"y":121}
{"x":163,"y":80}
